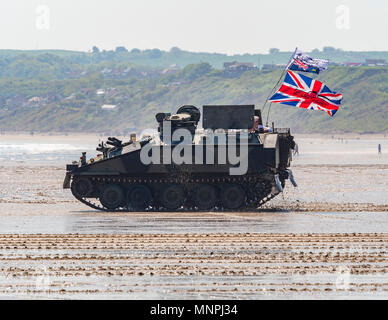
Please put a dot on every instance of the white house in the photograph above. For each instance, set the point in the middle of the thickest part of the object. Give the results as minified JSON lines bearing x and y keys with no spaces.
{"x":100,"y":92}
{"x":108,"y":107}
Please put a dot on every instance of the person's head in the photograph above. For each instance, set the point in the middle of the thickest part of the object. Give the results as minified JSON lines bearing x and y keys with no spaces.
{"x":256,"y":121}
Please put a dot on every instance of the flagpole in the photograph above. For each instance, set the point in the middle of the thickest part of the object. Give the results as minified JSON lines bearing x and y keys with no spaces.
{"x":277,"y":83}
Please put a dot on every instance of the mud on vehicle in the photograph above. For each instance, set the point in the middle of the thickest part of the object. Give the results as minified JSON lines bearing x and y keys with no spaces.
{"x":118,"y":178}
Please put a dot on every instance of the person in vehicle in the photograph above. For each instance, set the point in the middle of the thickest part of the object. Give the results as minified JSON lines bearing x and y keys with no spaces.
{"x":259,"y":127}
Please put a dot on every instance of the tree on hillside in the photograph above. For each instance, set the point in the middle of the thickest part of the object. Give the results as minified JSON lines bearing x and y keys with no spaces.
{"x":49,"y":58}
{"x":193,"y":71}
{"x":154,"y":53}
{"x":175,"y":51}
{"x":121,"y":49}
{"x":329,"y":50}
{"x":274,"y":51}
{"x":135,"y":51}
{"x":95,"y":49}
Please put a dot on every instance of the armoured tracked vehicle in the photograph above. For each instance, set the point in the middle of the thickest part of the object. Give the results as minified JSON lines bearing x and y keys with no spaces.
{"x":185,"y":167}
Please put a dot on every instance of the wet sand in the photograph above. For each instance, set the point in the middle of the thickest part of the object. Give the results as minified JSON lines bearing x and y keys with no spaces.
{"x":325,"y":239}
{"x":194,"y":266}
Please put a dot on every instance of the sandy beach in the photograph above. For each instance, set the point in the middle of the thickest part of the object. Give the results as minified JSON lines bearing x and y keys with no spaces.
{"x":327,"y":238}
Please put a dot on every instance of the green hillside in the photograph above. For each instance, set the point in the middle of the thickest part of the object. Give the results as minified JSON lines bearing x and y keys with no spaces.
{"x":155,"y":58}
{"x":72,"y":104}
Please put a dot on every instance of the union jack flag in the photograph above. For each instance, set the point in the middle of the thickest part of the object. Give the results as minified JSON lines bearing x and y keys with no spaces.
{"x":299,"y":65}
{"x":303,"y":92}
{"x":303,"y":62}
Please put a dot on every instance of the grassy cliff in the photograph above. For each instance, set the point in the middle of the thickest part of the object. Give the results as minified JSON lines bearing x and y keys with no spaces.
{"x":73,"y":105}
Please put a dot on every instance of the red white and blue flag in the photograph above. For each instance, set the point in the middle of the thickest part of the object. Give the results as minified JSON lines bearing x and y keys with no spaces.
{"x":303,"y":62}
{"x":298,"y":65}
{"x":303,"y":92}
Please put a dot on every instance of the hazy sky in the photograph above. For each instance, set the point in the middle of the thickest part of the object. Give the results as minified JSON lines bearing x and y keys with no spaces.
{"x":226,"y":26}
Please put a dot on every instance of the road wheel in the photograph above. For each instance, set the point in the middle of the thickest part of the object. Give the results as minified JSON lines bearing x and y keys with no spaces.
{"x":112,"y":196}
{"x":140,"y":197}
{"x":233,"y":196}
{"x":81,"y":187}
{"x":205,"y":197}
{"x":172,"y":197}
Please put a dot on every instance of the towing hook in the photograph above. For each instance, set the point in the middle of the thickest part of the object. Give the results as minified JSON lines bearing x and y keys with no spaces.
{"x":291,"y":177}
{"x":278,"y":183}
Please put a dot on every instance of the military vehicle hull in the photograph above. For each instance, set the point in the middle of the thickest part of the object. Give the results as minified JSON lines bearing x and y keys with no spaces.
{"x":124,"y":183}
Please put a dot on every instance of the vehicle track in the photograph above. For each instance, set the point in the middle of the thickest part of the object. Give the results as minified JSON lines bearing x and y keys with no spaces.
{"x":194,"y":265}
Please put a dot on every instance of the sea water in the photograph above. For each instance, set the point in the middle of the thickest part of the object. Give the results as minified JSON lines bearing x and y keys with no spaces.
{"x":42,"y":151}
{"x":312,"y":151}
